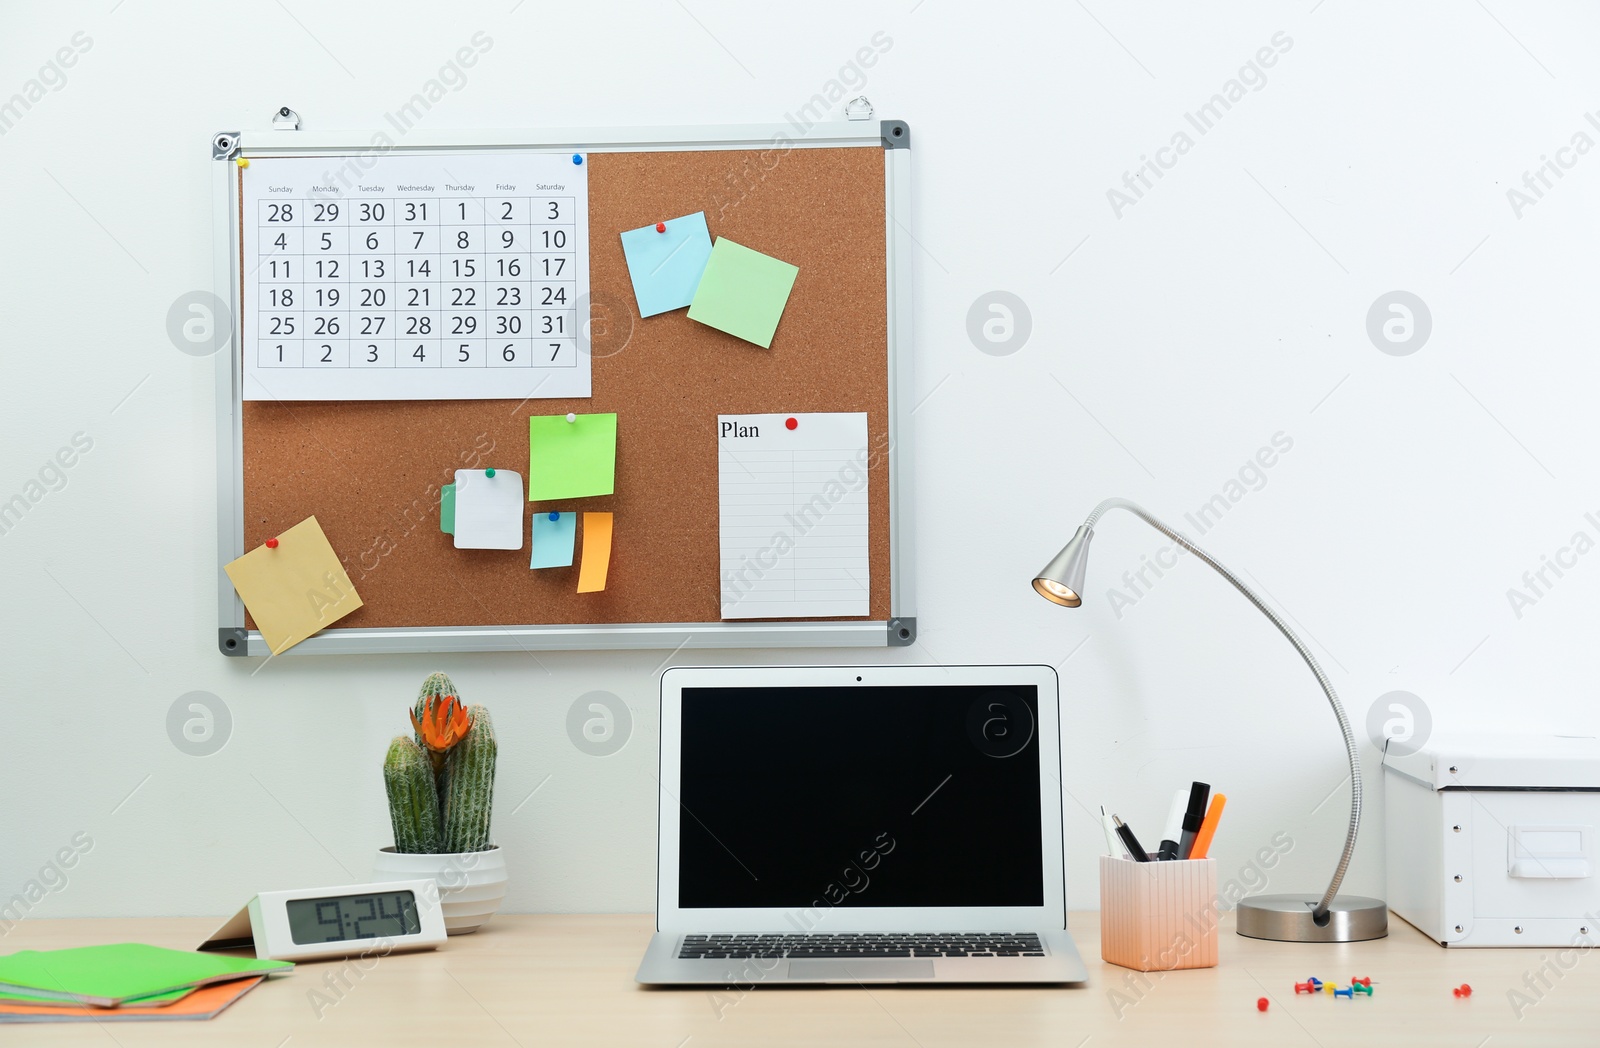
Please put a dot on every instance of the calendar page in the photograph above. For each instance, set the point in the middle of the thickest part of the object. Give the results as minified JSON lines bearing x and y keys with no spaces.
{"x":417,"y":277}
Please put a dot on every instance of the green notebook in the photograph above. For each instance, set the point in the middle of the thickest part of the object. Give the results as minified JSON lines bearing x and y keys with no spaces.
{"x":109,"y":975}
{"x":140,"y":1002}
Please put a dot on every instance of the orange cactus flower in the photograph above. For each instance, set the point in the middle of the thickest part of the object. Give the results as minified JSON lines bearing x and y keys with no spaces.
{"x":444,"y":723}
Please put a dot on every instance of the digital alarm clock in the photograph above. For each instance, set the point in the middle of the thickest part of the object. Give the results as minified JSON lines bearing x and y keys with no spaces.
{"x":308,"y":924}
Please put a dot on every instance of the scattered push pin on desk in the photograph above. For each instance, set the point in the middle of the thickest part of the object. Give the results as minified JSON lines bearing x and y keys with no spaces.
{"x":244,"y":161}
{"x":272,"y":543}
{"x":1311,"y":985}
{"x":1359,"y":988}
{"x":661,"y":227}
{"x":489,"y":472}
{"x":571,"y":417}
{"x":791,"y":423}
{"x":1362,"y":982}
{"x":1261,"y":1004}
{"x":1348,"y":991}
{"x":1330,"y":987}
{"x":1462,"y":991}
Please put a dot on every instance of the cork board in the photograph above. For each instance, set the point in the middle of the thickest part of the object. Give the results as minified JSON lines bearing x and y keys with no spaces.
{"x":371,"y":470}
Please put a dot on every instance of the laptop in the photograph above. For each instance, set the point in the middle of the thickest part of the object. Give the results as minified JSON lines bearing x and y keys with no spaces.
{"x":860,"y":825}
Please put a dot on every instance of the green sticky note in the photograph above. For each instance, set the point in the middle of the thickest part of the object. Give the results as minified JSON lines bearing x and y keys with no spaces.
{"x":570,"y":460}
{"x":447,"y":509}
{"x":109,"y":975}
{"x":743,"y":292}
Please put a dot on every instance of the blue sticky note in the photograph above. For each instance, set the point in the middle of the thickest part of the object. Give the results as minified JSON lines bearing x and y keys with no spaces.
{"x":553,"y":539}
{"x":666,"y":266}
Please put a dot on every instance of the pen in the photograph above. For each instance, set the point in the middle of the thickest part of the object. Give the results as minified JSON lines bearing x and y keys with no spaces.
{"x":1114,"y":846}
{"x":1202,"y":841}
{"x":1135,"y":849}
{"x":1174,"y":830}
{"x":1198,"y":792}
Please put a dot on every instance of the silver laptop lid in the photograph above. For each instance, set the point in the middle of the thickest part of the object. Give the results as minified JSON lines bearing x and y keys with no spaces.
{"x":857,"y":798}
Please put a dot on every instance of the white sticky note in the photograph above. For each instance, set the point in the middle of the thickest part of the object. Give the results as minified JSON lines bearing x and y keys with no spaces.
{"x":488,"y":509}
{"x":792,"y":497}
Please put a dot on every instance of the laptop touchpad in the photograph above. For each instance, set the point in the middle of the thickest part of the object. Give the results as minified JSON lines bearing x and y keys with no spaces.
{"x":865,"y":968}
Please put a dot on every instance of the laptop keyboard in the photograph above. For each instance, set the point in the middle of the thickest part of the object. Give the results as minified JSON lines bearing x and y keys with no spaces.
{"x":861,"y":944}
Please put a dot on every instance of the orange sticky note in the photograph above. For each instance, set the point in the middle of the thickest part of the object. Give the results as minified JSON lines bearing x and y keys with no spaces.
{"x":295,"y":587}
{"x":596,"y":552}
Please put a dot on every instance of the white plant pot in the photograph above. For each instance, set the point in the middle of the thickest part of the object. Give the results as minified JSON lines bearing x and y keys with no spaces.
{"x":472,"y":885}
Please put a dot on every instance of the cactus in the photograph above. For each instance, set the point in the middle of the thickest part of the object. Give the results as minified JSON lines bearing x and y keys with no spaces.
{"x":469,"y":801}
{"x":441,"y":784}
{"x":413,"y":801}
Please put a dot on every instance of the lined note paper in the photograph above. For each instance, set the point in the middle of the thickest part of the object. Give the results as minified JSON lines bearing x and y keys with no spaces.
{"x":793,"y":507}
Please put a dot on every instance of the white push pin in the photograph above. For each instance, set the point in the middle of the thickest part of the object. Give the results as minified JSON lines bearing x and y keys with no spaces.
{"x":571,"y":417}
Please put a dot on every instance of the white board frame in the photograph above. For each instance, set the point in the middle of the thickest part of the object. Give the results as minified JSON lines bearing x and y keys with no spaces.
{"x":900,"y":629}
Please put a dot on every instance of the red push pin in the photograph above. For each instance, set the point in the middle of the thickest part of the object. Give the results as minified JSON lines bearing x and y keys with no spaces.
{"x":661,"y":227}
{"x":1311,"y":985}
{"x":1361,"y":982}
{"x":1462,"y":991}
{"x":1261,"y":1004}
{"x":272,"y":543}
{"x":792,"y":423}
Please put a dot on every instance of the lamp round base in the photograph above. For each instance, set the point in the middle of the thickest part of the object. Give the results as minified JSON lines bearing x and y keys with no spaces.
{"x":1287,"y":918}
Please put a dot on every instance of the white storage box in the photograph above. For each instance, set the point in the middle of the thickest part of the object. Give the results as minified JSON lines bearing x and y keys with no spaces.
{"x":1490,"y":839}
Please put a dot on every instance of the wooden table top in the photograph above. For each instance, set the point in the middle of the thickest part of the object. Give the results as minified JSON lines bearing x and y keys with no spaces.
{"x":568,"y":980}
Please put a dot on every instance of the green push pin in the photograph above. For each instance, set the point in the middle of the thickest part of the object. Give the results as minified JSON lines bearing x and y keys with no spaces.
{"x":489,"y":472}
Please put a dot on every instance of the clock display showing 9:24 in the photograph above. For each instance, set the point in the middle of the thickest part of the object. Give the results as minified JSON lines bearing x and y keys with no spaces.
{"x":345,"y":917}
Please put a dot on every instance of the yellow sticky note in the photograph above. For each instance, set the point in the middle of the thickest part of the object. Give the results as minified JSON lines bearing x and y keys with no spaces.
{"x":596,"y":552}
{"x":298,"y":588}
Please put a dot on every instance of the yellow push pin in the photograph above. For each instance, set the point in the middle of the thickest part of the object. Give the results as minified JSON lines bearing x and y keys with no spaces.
{"x":244,"y":161}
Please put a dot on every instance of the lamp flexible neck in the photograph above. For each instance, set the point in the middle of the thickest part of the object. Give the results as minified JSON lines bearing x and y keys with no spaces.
{"x":1322,"y":678}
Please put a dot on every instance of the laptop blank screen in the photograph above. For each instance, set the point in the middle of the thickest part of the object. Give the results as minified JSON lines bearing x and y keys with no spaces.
{"x":860,"y":796}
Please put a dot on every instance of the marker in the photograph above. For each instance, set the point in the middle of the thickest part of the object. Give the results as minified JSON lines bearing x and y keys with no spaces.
{"x":571,"y":417}
{"x":661,"y":227}
{"x":1202,"y":840}
{"x":1192,"y":818}
{"x":1135,"y":849}
{"x":555,"y":516}
{"x":489,"y":472}
{"x":792,"y":423}
{"x":1174,"y":830}
{"x":272,"y":543}
{"x":1114,"y":846}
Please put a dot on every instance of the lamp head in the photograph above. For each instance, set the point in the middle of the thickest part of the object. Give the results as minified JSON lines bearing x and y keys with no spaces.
{"x":1061,"y":580}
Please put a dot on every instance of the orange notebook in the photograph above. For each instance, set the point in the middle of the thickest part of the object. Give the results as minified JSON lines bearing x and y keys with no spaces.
{"x":203,"y":1003}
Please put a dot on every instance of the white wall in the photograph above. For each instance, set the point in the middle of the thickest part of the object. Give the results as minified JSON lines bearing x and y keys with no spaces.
{"x":1169,"y":342}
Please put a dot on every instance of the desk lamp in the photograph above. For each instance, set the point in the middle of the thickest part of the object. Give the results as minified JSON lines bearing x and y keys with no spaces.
{"x":1286,"y":918}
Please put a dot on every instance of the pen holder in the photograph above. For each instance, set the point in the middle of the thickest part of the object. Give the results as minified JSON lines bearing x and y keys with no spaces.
{"x":1158,"y":916}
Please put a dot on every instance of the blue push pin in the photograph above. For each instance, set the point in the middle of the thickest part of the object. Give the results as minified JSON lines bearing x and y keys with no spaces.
{"x":555,"y":516}
{"x":489,"y":472}
{"x":1346,"y":992}
{"x":577,"y":158}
